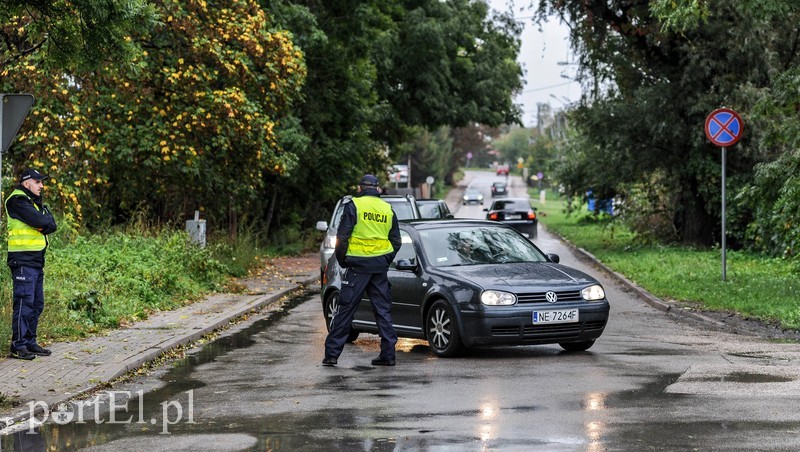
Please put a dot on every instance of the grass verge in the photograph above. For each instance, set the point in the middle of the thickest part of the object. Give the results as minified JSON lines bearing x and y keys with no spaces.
{"x":106,"y":281}
{"x":757,"y":286}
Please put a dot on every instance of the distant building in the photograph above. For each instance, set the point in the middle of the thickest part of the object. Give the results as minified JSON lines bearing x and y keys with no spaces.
{"x":551,"y":123}
{"x":544,"y":117}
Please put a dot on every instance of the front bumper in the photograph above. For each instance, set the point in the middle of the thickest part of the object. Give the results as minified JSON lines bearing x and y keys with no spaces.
{"x":516,"y":327}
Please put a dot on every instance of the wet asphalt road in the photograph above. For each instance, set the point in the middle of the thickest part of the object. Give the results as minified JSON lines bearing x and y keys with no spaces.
{"x":651,"y":381}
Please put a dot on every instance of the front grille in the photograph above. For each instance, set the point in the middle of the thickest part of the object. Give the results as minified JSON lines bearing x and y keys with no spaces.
{"x":538,"y":297}
{"x":505,"y":331}
{"x":558,"y":329}
{"x":546,"y":330}
{"x":563,"y":328}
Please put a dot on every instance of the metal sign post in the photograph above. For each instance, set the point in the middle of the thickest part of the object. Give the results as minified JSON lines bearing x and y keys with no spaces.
{"x":724,"y":235}
{"x":724,"y":128}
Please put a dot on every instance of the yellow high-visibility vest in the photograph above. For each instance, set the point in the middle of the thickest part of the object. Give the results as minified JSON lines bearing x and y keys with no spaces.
{"x":21,"y":236}
{"x":371,"y":232}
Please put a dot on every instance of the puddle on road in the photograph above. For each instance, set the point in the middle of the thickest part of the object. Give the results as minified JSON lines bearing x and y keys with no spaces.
{"x":101,"y":428}
{"x":350,"y":429}
{"x":666,"y":433}
{"x":656,"y":352}
{"x":743,"y":377}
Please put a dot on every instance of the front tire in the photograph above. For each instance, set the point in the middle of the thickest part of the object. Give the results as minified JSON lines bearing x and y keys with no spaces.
{"x":441,"y":330}
{"x":577,"y":346}
{"x":329,"y":309}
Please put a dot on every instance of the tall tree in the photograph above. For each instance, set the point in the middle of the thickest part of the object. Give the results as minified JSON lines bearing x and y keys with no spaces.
{"x":191,"y":124}
{"x":378,"y":69}
{"x":72,"y":33}
{"x":651,"y":89}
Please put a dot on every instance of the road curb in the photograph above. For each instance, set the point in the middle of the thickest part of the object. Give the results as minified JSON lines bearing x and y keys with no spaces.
{"x":256,"y":305}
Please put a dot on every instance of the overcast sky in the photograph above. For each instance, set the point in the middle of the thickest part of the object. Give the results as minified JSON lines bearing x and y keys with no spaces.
{"x":540,"y":53}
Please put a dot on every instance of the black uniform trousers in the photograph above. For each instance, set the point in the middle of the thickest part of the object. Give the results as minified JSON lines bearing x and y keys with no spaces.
{"x":27,"y":306}
{"x":353,"y":286}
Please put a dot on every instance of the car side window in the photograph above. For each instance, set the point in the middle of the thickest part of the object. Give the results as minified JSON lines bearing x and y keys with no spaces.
{"x":402,"y":210}
{"x":406,"y":251}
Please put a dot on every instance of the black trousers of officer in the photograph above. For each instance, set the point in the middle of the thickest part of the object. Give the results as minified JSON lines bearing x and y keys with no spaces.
{"x":353,"y":286}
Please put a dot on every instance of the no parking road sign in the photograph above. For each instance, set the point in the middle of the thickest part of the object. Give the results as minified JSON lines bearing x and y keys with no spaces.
{"x":724,"y":127}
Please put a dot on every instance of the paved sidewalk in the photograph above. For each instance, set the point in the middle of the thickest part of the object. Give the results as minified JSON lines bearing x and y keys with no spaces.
{"x":79,"y":367}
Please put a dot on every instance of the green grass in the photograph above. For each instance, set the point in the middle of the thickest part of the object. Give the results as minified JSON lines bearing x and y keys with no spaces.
{"x":757,"y":286}
{"x":100,"y":282}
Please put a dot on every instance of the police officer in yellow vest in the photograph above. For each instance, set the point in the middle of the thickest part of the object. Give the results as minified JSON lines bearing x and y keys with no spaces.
{"x":29,"y":221}
{"x":366,"y":242}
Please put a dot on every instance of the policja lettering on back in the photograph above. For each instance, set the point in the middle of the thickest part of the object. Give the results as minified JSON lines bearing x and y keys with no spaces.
{"x":376,"y":217}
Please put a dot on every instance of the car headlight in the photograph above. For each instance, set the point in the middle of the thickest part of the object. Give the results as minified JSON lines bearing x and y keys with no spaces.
{"x":593,"y":293}
{"x":497,"y":298}
{"x":330,"y":241}
{"x":466,"y":197}
{"x":480,"y":197}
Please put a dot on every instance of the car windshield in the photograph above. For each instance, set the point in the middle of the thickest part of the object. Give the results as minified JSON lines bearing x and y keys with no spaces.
{"x":474,"y":245}
{"x":472,"y":192}
{"x":511,"y":204}
{"x":402,"y":209}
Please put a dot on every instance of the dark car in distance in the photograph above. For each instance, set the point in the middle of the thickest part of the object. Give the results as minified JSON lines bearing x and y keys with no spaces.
{"x":433,"y":209}
{"x":515,"y":212}
{"x":499,"y":189}
{"x":468,"y":283}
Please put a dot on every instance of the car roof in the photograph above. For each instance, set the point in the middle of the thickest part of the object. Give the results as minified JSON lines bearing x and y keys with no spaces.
{"x":498,"y":183}
{"x":506,"y":199}
{"x":449,"y":223}
{"x":396,"y":197}
{"x":430,"y":200}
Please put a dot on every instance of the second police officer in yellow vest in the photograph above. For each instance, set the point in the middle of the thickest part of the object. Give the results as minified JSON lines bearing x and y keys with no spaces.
{"x":29,"y":222}
{"x":366,"y":242}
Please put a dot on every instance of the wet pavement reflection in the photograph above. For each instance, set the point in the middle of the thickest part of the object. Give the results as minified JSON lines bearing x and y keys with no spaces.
{"x":262,"y":388}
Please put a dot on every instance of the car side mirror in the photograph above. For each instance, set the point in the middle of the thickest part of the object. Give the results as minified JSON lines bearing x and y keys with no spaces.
{"x":406,"y":264}
{"x":554,"y":257}
{"x":485,"y":210}
{"x":322,"y":226}
{"x":449,"y":215}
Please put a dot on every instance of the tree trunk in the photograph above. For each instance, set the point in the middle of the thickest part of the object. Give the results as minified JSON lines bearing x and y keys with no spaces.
{"x":695,"y":225}
{"x":233,"y":219}
{"x":270,"y":211}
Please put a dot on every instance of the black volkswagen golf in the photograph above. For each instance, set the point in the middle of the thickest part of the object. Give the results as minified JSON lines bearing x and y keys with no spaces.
{"x":465,"y":283}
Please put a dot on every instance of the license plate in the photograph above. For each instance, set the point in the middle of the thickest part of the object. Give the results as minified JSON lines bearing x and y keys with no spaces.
{"x":513,"y":216}
{"x":556,"y":316}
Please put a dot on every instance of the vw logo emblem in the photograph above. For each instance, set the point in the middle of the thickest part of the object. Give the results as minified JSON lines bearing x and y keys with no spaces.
{"x":551,"y":296}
